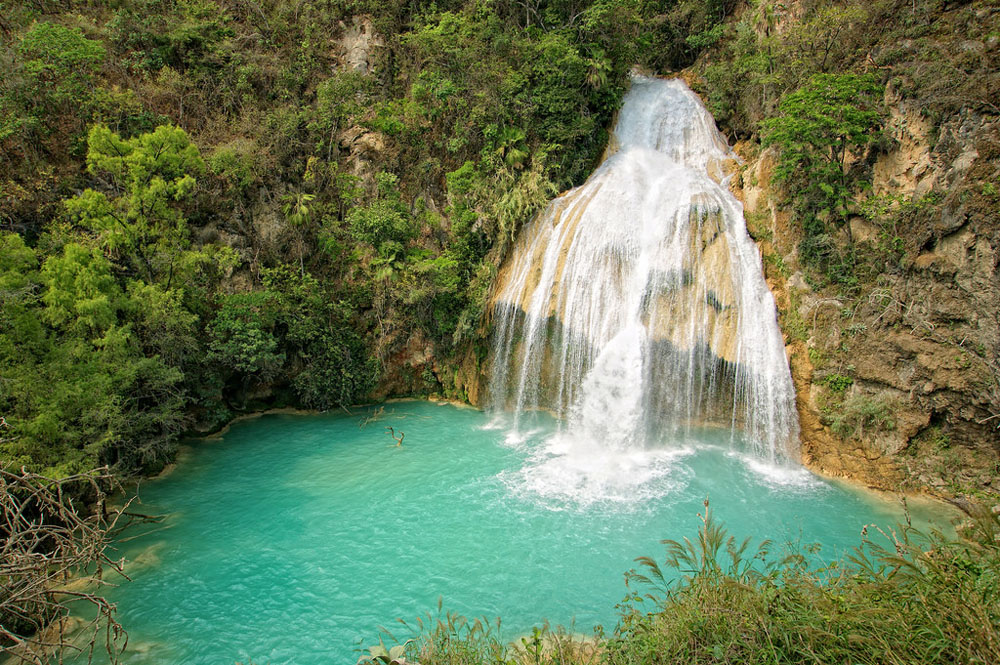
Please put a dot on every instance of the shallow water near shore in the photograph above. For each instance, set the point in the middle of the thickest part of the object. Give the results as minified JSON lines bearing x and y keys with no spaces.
{"x":294,"y":537}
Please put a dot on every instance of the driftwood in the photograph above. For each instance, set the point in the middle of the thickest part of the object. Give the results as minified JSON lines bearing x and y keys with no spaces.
{"x":392,"y":433}
{"x":53,"y":560}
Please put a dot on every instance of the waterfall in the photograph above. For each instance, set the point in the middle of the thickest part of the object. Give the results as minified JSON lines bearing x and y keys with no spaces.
{"x":634,"y":307}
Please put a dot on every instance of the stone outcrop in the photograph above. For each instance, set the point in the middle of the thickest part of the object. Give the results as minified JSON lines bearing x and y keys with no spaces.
{"x":357,"y":45}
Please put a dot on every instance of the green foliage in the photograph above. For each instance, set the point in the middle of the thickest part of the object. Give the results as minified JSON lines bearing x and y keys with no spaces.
{"x":384,"y":224}
{"x":80,"y":291}
{"x":679,"y":30}
{"x":838,"y":383}
{"x":888,"y":250}
{"x":21,"y":330}
{"x":48,"y":87}
{"x":774,"y":259}
{"x":859,"y":416}
{"x":726,"y":606}
{"x":151,"y":177}
{"x":508,"y":100}
{"x":297,"y":208}
{"x":60,"y":62}
{"x":340,"y":100}
{"x":150,"y":34}
{"x":162,"y":324}
{"x":763,"y":75}
{"x":100,"y":361}
{"x":791,"y":320}
{"x":334,"y":368}
{"x":83,"y":393}
{"x":818,"y":126}
{"x":241,"y":336}
{"x":236,"y":163}
{"x":447,"y":638}
{"x":701,"y":559}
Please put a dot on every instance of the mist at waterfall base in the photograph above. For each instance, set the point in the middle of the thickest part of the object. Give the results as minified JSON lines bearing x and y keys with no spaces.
{"x":292,"y":538}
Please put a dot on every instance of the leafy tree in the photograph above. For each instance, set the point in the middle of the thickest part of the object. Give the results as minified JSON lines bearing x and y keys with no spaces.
{"x":22,"y":335}
{"x":91,"y":388}
{"x":18,"y":282}
{"x":829,"y":118}
{"x":52,"y":75}
{"x":333,"y":365}
{"x":818,"y":125}
{"x":242,"y":337}
{"x":385,"y":224}
{"x":163,"y":326}
{"x":150,"y":34}
{"x":49,"y":94}
{"x":81,"y":293}
{"x":679,"y":30}
{"x":61,"y":60}
{"x":140,"y":216}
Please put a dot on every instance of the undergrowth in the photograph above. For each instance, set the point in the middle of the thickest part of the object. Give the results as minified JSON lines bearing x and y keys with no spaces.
{"x":903,"y":596}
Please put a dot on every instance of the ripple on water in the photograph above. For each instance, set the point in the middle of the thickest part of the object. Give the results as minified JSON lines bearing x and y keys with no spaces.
{"x":294,"y":537}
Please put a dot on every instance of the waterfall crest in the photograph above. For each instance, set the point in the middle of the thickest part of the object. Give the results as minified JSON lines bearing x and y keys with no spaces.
{"x":634,"y":306}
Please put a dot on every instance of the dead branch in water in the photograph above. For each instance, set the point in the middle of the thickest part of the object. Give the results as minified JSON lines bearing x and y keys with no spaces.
{"x":53,"y":559}
{"x":392,"y":433}
{"x":372,"y":418}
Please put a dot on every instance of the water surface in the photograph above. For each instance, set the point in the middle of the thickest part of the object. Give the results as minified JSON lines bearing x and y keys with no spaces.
{"x":293,"y":537}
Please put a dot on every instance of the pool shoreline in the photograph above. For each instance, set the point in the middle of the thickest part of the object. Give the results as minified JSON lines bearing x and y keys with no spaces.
{"x":190,"y":441}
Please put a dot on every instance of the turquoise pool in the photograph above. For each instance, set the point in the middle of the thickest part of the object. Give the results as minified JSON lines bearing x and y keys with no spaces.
{"x":292,"y":538}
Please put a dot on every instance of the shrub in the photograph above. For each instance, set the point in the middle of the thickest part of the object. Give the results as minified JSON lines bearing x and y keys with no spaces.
{"x":818,"y":126}
{"x":838,"y":383}
{"x":892,"y":600}
{"x":860,"y":415}
{"x":242,"y":335}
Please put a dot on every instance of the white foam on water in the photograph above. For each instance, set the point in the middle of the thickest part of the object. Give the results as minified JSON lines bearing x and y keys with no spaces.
{"x":779,"y":475}
{"x":563,"y":472}
{"x":519,"y":438}
{"x":498,"y":421}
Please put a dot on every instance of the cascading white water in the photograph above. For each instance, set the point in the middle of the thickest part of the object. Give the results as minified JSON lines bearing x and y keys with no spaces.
{"x":634,"y":306}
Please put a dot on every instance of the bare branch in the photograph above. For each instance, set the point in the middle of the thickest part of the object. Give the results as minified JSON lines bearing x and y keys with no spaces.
{"x":53,"y":558}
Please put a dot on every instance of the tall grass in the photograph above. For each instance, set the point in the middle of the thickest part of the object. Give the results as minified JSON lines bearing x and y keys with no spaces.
{"x":447,"y":638}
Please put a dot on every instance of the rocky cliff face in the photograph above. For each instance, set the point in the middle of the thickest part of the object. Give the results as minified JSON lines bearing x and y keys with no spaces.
{"x":898,"y":378}
{"x":898,"y":381}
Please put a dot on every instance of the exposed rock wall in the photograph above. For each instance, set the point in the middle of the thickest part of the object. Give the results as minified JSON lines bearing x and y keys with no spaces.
{"x":905,"y":367}
{"x":357,"y":45}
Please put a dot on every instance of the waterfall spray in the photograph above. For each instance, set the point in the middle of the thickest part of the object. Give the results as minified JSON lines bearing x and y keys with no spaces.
{"x":634,"y":306}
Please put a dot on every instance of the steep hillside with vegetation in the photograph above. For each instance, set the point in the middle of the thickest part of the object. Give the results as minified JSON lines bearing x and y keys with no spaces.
{"x":209,"y":207}
{"x":872,"y":143}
